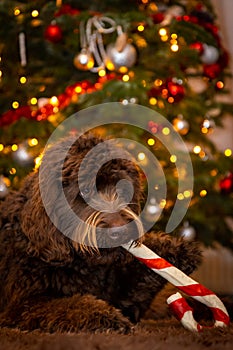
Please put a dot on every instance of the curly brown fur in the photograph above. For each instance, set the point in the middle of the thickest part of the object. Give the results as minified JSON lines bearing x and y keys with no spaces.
{"x":52,"y":282}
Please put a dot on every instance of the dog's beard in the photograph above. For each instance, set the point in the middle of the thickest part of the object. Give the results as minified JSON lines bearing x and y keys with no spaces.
{"x":93,"y":233}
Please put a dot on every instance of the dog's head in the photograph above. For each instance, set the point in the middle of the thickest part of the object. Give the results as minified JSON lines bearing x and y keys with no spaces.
{"x":101,"y":185}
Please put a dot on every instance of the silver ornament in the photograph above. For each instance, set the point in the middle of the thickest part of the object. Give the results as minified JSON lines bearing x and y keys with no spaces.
{"x":3,"y":188}
{"x":126,"y":57}
{"x":210,"y":54}
{"x":208,"y":125}
{"x":187,"y":232}
{"x":22,"y":157}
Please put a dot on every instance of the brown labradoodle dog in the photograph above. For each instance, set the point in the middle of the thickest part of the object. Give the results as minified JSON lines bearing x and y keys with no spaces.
{"x":61,"y":275}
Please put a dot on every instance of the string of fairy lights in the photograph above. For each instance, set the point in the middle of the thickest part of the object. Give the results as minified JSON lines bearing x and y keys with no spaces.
{"x":169,"y":91}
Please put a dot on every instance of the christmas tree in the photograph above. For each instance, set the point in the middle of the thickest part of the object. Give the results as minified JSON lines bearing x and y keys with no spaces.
{"x":59,"y":57}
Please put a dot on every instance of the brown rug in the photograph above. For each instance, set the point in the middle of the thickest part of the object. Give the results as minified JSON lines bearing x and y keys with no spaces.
{"x":150,"y":335}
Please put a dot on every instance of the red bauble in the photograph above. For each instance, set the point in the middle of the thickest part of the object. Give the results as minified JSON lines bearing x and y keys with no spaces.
{"x":53,"y":33}
{"x":212,"y":71}
{"x":226,"y":184}
{"x":197,"y":46}
{"x":176,"y":90}
{"x":66,"y":9}
{"x":157,"y":17}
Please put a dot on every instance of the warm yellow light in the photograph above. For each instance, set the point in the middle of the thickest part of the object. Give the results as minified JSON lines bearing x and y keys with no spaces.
{"x":145,"y":1}
{"x":78,"y":89}
{"x":0,"y":73}
{"x":14,"y":147}
{"x":12,"y":171}
{"x":202,"y":154}
{"x":102,"y":72}
{"x":1,"y":147}
{"x":162,"y":203}
{"x":141,"y":42}
{"x":16,"y":11}
{"x":203,"y":193}
{"x":180,"y":196}
{"x":55,"y":109}
{"x":174,"y":36}
{"x":187,"y":194}
{"x":213,"y":172}
{"x":174,"y":47}
{"x":38,"y":161}
{"x":197,"y":149}
{"x":164,"y":38}
{"x":141,"y":156}
{"x":153,"y":7}
{"x":151,"y":142}
{"x":15,"y":104}
{"x":123,"y":69}
{"x":158,"y":82}
{"x":162,"y":32}
{"x":204,"y":130}
{"x":170,"y":99}
{"x":54,"y":101}
{"x":33,"y":101}
{"x":161,"y":104}
{"x":220,"y":84}
{"x":141,"y":28}
{"x":228,"y":152}
{"x":33,"y":142}
{"x":173,"y":158}
{"x":166,"y":131}
{"x":125,"y":77}
{"x":23,"y":80}
{"x":109,"y":65}
{"x":35,"y":13}
{"x":153,"y":101}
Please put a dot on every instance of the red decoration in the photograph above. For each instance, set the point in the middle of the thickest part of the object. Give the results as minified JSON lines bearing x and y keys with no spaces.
{"x":11,"y":116}
{"x":175,"y":90}
{"x":197,"y":46}
{"x":226,"y":184}
{"x":53,"y":33}
{"x":157,"y":17}
{"x":64,"y":99}
{"x":66,"y":9}
{"x":212,"y":71}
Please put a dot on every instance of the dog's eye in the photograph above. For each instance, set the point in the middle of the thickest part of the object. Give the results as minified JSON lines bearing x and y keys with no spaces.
{"x":85,"y":192}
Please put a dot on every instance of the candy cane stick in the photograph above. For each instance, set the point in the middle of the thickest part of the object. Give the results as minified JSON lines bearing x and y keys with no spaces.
{"x":185,"y":284}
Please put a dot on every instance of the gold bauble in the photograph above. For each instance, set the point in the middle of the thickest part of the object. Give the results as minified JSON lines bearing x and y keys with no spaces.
{"x":84,"y":60}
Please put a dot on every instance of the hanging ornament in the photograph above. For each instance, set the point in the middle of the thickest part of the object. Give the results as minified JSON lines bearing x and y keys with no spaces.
{"x":3,"y":188}
{"x":121,"y":54}
{"x":212,"y":71}
{"x":210,"y":54}
{"x":198,"y":46}
{"x":172,"y":12}
{"x":207,"y":126}
{"x":157,"y":17}
{"x":180,"y":125}
{"x":53,"y":33}
{"x":22,"y":157}
{"x":93,"y":54}
{"x":22,"y":49}
{"x":226,"y":184}
{"x":187,"y":231}
{"x":176,"y":89}
{"x":84,"y":60}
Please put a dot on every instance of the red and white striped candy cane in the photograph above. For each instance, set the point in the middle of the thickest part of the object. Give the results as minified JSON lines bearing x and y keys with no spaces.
{"x":186,"y":284}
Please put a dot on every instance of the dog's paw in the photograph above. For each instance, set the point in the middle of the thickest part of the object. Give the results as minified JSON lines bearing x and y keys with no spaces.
{"x":109,"y":320}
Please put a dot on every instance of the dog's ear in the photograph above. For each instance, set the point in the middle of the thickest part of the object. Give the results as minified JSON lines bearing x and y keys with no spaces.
{"x":45,"y":240}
